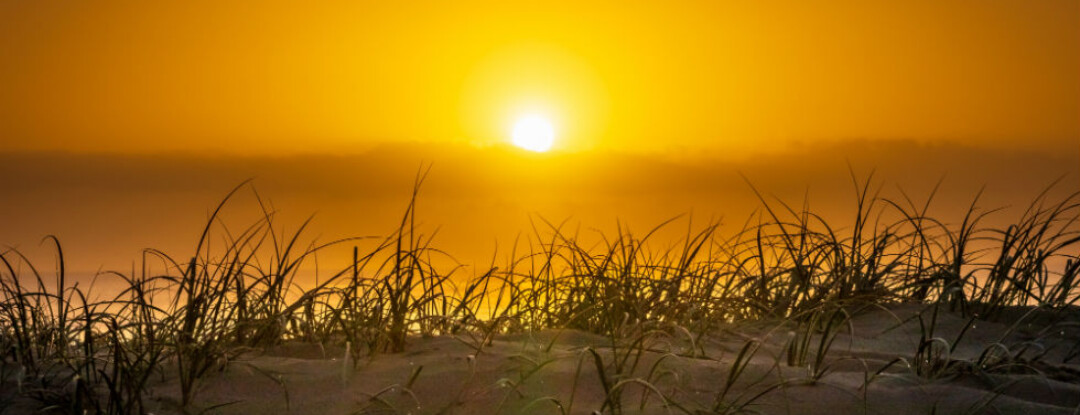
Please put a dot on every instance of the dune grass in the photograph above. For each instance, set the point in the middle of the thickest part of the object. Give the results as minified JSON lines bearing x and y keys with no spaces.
{"x":77,"y":355}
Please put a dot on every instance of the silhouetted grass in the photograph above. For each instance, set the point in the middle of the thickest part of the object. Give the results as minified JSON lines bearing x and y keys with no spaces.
{"x":785,"y":265}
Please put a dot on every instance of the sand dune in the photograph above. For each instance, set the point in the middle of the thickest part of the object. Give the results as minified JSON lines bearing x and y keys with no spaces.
{"x":869,"y":368}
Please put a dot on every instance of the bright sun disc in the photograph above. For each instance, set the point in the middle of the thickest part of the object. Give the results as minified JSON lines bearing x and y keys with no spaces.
{"x":533,"y":133}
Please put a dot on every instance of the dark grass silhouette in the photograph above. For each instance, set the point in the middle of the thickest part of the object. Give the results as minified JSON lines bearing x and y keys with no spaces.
{"x":787,"y":271}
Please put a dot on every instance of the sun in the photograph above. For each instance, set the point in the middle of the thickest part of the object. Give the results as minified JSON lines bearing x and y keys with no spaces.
{"x":533,"y":133}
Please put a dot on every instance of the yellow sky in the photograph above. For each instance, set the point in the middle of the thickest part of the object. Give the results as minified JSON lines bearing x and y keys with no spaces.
{"x":286,"y":77}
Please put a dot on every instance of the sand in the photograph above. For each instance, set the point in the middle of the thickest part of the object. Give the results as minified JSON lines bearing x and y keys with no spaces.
{"x":555,"y":371}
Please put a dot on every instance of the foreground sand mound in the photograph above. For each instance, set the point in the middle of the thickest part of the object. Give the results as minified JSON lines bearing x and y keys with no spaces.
{"x":1016,"y":362}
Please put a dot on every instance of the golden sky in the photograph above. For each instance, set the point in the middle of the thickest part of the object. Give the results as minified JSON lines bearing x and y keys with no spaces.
{"x":270,"y":77}
{"x":122,"y":123}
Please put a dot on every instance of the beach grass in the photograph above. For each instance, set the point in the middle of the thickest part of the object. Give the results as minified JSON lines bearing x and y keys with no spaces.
{"x":68,"y":351}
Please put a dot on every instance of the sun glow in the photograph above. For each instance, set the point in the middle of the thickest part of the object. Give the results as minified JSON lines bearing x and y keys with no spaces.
{"x":533,"y":133}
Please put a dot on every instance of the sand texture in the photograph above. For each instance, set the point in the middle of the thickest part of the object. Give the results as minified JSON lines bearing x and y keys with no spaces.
{"x":1015,"y":362}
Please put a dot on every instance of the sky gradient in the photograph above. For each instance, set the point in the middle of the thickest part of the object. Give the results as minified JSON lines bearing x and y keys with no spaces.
{"x":122,"y":123}
{"x":283,"y":77}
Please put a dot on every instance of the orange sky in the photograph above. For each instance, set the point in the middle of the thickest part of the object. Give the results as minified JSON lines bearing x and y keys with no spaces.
{"x":286,"y":77}
{"x":122,"y":123}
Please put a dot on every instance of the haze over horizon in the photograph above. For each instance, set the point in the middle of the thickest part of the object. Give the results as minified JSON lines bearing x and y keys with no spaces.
{"x":107,"y":208}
